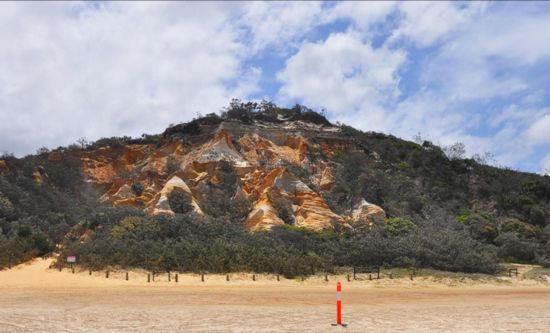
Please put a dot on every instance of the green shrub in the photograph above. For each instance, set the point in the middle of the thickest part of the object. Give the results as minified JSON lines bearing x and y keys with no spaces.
{"x":137,"y":188}
{"x":521,"y":228}
{"x":512,"y":248}
{"x":481,"y":226}
{"x":290,"y":227}
{"x":180,"y":201}
{"x":399,"y":226}
{"x":7,"y":210}
{"x":537,"y":216}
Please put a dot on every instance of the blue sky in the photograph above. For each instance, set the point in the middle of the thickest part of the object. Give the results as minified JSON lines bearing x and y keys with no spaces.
{"x":472,"y":72}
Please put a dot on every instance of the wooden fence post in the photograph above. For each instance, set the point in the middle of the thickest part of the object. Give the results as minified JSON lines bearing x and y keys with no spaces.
{"x":227,"y":277}
{"x":107,"y":274}
{"x":278,"y":277}
{"x":148,"y":277}
{"x":176,"y":277}
{"x":202,"y":277}
{"x":127,"y":276}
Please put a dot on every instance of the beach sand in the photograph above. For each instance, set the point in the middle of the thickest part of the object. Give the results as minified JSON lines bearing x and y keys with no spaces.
{"x":34,"y":298}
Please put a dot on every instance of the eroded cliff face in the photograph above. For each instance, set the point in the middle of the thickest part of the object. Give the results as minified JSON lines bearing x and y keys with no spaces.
{"x":263,"y":158}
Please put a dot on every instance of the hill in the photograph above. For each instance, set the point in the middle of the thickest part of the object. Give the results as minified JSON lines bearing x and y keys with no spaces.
{"x":265,"y":188}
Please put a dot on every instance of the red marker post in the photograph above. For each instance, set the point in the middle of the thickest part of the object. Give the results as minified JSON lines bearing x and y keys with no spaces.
{"x":338,"y":303}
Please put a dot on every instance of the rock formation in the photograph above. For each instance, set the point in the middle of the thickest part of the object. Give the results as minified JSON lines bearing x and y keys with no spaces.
{"x":366,"y":212}
{"x":262,"y":157}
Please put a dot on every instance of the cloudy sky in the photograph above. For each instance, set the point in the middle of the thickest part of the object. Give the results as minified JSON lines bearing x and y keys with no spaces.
{"x":476,"y":73}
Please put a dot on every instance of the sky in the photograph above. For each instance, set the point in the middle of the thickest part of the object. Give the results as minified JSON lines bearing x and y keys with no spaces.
{"x":470,"y":72}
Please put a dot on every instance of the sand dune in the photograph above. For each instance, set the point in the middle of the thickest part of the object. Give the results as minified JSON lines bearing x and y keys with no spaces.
{"x":34,"y":298}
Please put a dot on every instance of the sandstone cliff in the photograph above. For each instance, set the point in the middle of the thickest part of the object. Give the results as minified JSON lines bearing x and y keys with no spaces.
{"x":263,"y":157}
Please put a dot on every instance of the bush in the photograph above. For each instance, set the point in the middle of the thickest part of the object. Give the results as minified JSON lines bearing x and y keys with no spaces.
{"x":521,"y":228}
{"x":282,"y":206}
{"x":7,"y":210}
{"x":180,"y":201}
{"x":451,"y":249}
{"x":399,"y":226}
{"x":481,"y":226}
{"x":137,"y":188}
{"x":42,"y":243}
{"x":537,"y":216}
{"x":512,"y":248}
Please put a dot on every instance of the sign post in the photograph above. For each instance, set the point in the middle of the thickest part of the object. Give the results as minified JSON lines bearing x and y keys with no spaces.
{"x":71,"y":260}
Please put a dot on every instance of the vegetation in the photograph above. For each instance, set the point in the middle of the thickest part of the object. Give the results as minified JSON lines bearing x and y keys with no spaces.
{"x":399,"y":226}
{"x":180,"y":201}
{"x":34,"y":216}
{"x":444,"y":211}
{"x":188,"y":242}
{"x":247,"y":113}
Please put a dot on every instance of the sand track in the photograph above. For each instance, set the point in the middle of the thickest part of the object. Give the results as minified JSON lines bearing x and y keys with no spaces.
{"x":34,"y":298}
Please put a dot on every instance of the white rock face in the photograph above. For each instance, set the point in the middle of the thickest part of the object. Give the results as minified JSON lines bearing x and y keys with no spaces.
{"x":222,"y":149}
{"x":366,"y":212}
{"x":290,"y":184}
{"x":263,"y":216}
{"x":124,"y":192}
{"x":163,"y":205}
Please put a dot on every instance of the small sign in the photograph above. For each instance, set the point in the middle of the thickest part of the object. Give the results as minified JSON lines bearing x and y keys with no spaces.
{"x":71,"y":259}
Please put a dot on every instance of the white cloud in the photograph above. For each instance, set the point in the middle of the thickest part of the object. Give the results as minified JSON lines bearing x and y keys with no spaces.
{"x":421,"y":22}
{"x":490,"y":55}
{"x":342,"y":73}
{"x":477,"y":56}
{"x":545,"y":164}
{"x":514,"y":33}
{"x":482,"y":61}
{"x":539,"y":132}
{"x":426,"y":22}
{"x":363,"y":14}
{"x":69,"y":70}
{"x":280,"y":24}
{"x":466,"y":73}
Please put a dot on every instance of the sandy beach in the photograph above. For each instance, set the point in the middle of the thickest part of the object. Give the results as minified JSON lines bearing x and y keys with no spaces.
{"x":34,"y":298}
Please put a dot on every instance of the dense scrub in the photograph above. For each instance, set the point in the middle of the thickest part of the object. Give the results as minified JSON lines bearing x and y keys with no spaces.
{"x":420,"y":182}
{"x":40,"y":205}
{"x":188,"y":242}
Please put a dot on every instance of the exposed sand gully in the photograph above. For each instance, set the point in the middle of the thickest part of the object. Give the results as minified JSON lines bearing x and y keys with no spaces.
{"x":34,"y":298}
